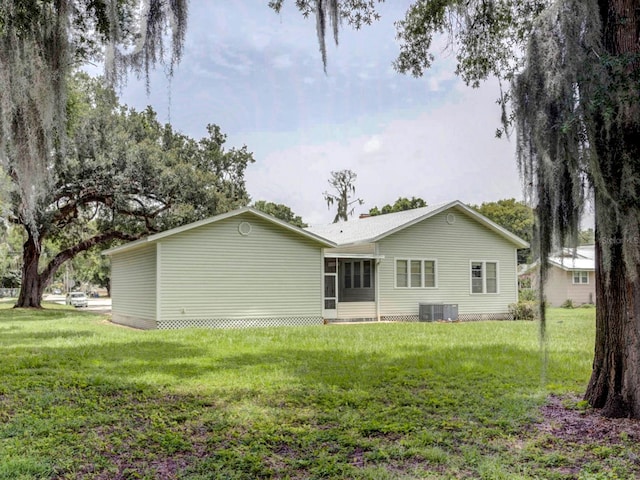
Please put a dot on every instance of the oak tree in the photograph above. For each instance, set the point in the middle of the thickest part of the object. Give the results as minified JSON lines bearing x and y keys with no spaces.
{"x":280,"y":211}
{"x":41,"y":42}
{"x":515,"y":216}
{"x":123,"y":175}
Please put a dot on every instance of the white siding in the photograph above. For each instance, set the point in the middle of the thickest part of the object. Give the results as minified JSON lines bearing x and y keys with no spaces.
{"x":356,"y":310}
{"x":215,"y":273}
{"x":454,"y":246}
{"x":133,"y":287}
{"x":363,"y":248}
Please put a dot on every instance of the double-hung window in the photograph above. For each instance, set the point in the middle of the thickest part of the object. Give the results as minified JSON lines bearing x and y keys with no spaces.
{"x":484,"y":277}
{"x":580,"y":277}
{"x":415,"y":273}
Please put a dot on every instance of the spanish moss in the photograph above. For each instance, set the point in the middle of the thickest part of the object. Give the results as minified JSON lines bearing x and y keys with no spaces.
{"x":552,"y":143}
{"x":40,"y":44}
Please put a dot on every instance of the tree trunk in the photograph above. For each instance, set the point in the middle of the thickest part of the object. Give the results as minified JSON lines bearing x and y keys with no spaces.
{"x":615,"y":380}
{"x":34,"y":282}
{"x":32,"y":286}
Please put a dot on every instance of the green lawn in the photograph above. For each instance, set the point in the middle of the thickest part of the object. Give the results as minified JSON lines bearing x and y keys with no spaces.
{"x":81,"y":398}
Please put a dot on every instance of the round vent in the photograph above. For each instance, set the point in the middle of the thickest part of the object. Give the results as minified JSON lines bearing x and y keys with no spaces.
{"x":244,"y":228}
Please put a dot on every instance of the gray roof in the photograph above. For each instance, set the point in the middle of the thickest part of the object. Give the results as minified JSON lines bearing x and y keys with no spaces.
{"x":568,"y":259}
{"x":583,"y":258}
{"x":372,"y":229}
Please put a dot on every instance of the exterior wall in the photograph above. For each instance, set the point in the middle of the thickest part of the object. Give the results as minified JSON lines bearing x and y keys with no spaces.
{"x":356,"y":310}
{"x":454,"y":244}
{"x":582,"y":293}
{"x":364,"y":248}
{"x":133,"y":287}
{"x":215,"y":276}
{"x":559,"y":288}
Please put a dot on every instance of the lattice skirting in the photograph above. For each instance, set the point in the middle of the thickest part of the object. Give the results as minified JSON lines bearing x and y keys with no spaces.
{"x":399,"y":318}
{"x":385,"y":318}
{"x":238,"y":323}
{"x":351,"y":320}
{"x":463,"y":317}
{"x":474,"y":317}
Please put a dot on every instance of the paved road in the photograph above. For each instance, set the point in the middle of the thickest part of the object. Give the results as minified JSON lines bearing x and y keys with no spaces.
{"x":98,"y":305}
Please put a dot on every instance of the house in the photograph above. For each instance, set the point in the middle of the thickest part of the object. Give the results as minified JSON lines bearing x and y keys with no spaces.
{"x":385,"y":267}
{"x":242,"y":268}
{"x":571,"y":276}
{"x":246,"y":268}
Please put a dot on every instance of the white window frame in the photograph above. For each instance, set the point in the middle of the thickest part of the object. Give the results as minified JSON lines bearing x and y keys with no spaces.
{"x":582,"y":274}
{"x":422,"y":273}
{"x":484,"y":277}
{"x":435,"y":272}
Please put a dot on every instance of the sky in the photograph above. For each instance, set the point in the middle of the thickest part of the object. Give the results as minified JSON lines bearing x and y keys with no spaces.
{"x":259,"y":76}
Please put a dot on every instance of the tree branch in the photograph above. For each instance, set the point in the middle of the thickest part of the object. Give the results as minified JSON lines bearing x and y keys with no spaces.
{"x":83,"y":246}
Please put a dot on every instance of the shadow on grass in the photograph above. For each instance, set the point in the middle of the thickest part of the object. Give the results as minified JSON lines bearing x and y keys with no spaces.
{"x":26,"y":337}
{"x":115,"y":401}
{"x":11,"y":314}
{"x":458,"y":379}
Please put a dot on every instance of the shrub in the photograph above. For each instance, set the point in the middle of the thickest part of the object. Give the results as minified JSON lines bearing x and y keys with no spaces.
{"x":568,"y":303}
{"x":524,"y":310}
{"x":527,"y":295}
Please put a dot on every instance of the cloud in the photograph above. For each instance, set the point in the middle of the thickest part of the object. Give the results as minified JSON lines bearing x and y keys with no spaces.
{"x":372,"y":145}
{"x":442,"y":154}
{"x":225,"y":58}
{"x":282,"y":61}
{"x":259,"y":76}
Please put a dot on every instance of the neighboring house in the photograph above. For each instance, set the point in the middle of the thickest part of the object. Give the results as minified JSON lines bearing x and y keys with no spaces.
{"x":571,"y":276}
{"x":246,"y":268}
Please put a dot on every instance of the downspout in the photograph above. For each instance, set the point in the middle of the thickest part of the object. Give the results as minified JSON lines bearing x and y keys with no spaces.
{"x":158,"y":284}
{"x":377,"y":277}
{"x":517,"y":279}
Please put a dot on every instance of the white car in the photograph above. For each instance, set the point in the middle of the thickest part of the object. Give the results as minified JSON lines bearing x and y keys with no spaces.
{"x":77,"y":299}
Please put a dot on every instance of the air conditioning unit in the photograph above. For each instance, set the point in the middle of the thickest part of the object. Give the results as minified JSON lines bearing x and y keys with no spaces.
{"x":429,"y":312}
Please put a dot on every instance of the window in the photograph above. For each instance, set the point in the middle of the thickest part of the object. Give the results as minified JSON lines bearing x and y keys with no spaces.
{"x":416,"y":273}
{"x":491,"y":283}
{"x":366,"y":273}
{"x":347,"y":275}
{"x":357,"y":274}
{"x":581,"y":277}
{"x":484,"y":277}
{"x":402,"y":280}
{"x":430,"y":273}
{"x":476,"y":278}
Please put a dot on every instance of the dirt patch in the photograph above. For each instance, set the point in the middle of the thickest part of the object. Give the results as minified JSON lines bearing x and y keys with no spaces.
{"x":564,"y":421}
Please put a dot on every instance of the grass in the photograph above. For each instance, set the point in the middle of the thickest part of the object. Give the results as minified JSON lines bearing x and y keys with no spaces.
{"x":82,"y":398}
